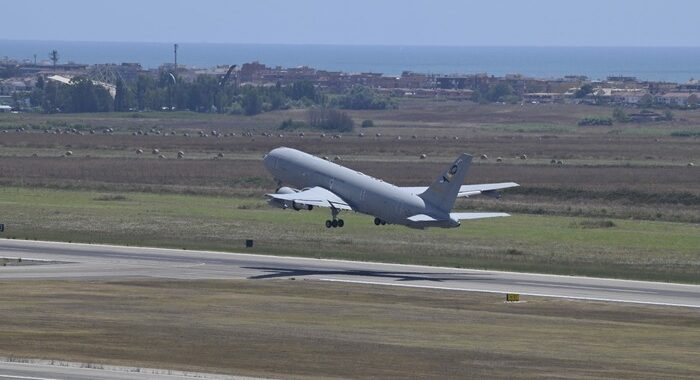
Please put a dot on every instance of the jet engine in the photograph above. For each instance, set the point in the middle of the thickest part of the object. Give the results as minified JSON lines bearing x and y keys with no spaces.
{"x":288,"y":204}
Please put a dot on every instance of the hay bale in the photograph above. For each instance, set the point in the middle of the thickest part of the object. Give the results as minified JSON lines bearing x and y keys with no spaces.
{"x":325,"y":158}
{"x":560,"y":162}
{"x":220,"y":155}
{"x":336,"y":158}
{"x":690,"y":164}
{"x":69,"y":153}
{"x":423,"y":156}
{"x":398,"y":137}
{"x":523,"y":156}
{"x":378,"y":135}
{"x":414,"y":137}
{"x":552,"y":161}
{"x":323,"y":135}
{"x":484,"y":157}
{"x":161,"y":156}
{"x":180,"y":154}
{"x":155,"y":151}
{"x":139,"y":151}
{"x":499,"y":159}
{"x":360,"y":134}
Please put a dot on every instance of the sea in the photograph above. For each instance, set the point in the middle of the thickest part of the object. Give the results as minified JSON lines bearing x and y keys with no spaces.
{"x":672,"y":64}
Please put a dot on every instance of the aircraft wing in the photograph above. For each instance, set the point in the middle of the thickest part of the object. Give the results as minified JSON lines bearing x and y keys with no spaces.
{"x":315,"y":196}
{"x":466,"y":191}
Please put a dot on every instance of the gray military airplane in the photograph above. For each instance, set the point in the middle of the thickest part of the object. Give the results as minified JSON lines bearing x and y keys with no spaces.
{"x":327,"y":184}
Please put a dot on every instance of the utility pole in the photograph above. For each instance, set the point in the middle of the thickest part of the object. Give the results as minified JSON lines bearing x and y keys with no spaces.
{"x":175,"y":46}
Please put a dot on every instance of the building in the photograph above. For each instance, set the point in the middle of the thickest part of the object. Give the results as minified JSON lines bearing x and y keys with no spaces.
{"x":677,"y":99}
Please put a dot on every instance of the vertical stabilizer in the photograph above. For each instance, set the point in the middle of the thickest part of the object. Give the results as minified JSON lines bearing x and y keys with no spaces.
{"x":443,"y":192}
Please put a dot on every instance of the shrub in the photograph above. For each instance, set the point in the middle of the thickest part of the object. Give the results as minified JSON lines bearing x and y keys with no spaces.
{"x":290,"y":124}
{"x":596,"y":224}
{"x":595,"y":120}
{"x":330,"y":119}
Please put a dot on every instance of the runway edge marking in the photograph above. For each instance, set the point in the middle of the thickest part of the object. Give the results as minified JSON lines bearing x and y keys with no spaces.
{"x":503,"y":292}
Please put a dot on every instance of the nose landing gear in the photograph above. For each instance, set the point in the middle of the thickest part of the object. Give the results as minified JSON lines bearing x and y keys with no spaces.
{"x":378,"y":221}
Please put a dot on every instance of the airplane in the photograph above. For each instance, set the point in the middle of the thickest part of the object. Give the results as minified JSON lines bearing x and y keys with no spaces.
{"x":321,"y":183}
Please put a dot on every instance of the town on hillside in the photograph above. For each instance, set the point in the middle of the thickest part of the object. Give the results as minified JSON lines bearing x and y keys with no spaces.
{"x":19,"y":81}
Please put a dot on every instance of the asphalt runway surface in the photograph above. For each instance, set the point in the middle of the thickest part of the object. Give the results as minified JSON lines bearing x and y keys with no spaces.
{"x":87,"y":261}
{"x":75,"y":371}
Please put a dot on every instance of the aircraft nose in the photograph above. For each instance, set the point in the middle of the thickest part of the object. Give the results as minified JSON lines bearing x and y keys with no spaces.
{"x":267,"y":160}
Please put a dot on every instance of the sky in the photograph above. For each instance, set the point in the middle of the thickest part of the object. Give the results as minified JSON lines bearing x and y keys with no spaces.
{"x":360,"y":22}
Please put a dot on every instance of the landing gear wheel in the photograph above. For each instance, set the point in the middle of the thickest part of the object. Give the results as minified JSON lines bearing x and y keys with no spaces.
{"x":383,"y":223}
{"x":328,"y":224}
{"x":334,"y":223}
{"x":341,"y":223}
{"x":377,"y":221}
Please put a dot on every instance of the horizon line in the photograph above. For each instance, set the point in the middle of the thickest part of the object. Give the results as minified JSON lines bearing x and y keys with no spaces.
{"x":351,"y":44}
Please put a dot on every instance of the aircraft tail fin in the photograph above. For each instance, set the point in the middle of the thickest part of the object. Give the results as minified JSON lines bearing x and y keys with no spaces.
{"x":443,"y":192}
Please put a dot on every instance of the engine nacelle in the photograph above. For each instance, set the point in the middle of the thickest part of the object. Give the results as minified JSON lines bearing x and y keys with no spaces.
{"x":287,"y":204}
{"x":286,"y":190}
{"x":299,"y":207}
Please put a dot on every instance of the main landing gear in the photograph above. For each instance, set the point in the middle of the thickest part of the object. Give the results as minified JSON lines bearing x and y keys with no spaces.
{"x":335,"y":222}
{"x":378,"y":221}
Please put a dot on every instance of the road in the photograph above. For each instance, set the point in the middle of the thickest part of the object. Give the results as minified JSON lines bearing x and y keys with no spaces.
{"x":86,"y":261}
{"x":43,"y":370}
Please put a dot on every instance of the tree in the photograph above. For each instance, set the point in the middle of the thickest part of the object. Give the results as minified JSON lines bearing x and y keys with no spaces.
{"x":583,"y":91}
{"x":619,"y":115}
{"x":330,"y":119}
{"x":668,"y":115}
{"x":120,"y":98}
{"x":302,"y":89}
{"x":646,"y":101}
{"x":252,"y":103}
{"x":39,"y":82}
{"x":143,"y":85}
{"x":363,"y":98}
{"x":85,"y":96}
{"x":499,"y":91}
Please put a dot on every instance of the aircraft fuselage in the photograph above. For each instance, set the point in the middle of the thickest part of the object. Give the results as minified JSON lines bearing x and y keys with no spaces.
{"x":365,"y":194}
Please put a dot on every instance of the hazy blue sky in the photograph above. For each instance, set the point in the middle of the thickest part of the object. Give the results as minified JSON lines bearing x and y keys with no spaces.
{"x":377,"y":22}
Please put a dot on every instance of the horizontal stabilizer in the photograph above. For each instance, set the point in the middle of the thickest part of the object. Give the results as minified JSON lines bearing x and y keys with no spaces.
{"x":466,"y":191}
{"x":476,"y":215}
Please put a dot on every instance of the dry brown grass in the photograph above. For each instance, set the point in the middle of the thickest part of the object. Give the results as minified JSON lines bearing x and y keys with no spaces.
{"x":639,"y":167}
{"x":309,"y":329}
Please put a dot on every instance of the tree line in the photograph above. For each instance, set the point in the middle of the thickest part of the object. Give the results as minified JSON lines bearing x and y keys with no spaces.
{"x":204,"y":94}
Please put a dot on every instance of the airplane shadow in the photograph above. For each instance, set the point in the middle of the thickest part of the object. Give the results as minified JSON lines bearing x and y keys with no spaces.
{"x":399,"y":276}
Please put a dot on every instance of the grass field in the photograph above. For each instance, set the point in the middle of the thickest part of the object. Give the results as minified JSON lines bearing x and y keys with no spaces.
{"x":307,"y":329}
{"x":624,"y":202}
{"x":568,"y":245}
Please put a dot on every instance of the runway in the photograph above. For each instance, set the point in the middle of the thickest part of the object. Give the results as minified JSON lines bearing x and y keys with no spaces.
{"x":86,"y":261}
{"x":43,"y":370}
